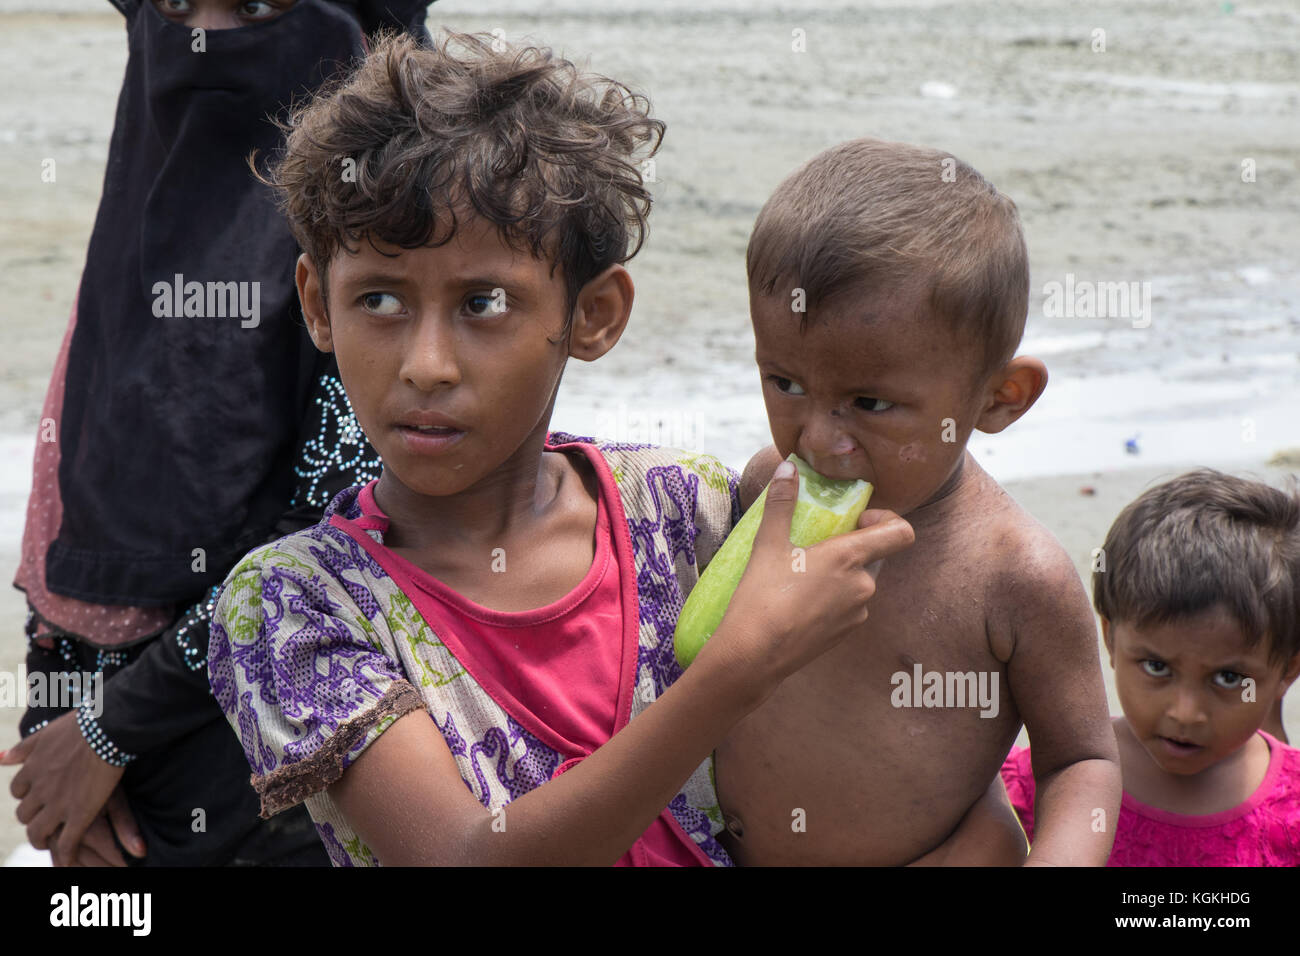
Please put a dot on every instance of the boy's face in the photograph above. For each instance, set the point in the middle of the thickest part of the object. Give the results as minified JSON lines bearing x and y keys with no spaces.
{"x":465,"y":336}
{"x":868,"y":391}
{"x":1182,"y":685}
{"x":221,"y":14}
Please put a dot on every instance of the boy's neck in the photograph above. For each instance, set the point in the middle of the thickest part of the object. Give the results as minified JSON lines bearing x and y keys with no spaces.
{"x":515,"y":497}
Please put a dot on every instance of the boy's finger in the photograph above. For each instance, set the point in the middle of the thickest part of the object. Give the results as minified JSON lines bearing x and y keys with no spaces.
{"x":885,"y":536}
{"x":778,"y":507}
{"x":19,"y":751}
{"x":123,"y":822}
{"x":98,"y":842}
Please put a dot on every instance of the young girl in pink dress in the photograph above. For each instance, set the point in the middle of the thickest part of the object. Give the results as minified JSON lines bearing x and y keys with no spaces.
{"x":1200,"y":611}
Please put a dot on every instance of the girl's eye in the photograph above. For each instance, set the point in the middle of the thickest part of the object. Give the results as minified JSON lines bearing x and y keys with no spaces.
{"x":483,"y":305}
{"x":375,"y":302}
{"x":1155,"y":668}
{"x":786,"y":385}
{"x":873,"y":404}
{"x":1228,"y":680}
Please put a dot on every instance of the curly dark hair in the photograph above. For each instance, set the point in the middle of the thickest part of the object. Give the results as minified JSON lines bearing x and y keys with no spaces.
{"x":514,"y":134}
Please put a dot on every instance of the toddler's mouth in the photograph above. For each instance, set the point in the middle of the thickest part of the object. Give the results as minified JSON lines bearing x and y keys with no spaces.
{"x":1180,"y":748}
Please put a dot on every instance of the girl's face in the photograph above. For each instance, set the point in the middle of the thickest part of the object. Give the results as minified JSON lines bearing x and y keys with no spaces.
{"x":221,"y":14}
{"x":451,"y":355}
{"x":1192,"y":690}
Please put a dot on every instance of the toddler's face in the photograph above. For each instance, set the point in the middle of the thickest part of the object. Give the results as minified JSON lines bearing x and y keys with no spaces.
{"x":221,"y":14}
{"x":868,"y":391}
{"x":464,"y":337}
{"x":1182,"y":685}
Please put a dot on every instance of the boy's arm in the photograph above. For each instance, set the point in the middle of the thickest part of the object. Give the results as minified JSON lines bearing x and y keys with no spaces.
{"x":1055,"y":680}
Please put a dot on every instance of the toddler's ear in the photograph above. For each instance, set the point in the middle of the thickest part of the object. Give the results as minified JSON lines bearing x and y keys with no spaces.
{"x":314,"y":311}
{"x":1012,"y":391}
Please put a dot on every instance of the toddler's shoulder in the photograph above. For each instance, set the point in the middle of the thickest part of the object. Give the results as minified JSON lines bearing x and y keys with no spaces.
{"x":1030,"y":579}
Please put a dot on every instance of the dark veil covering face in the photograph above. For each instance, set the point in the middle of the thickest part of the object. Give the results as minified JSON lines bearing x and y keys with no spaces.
{"x":189,"y":367}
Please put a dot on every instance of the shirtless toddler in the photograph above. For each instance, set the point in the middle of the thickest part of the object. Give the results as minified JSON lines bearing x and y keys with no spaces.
{"x":888,"y":291}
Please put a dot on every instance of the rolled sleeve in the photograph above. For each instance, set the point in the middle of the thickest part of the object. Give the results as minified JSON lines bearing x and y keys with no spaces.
{"x":299,"y":672}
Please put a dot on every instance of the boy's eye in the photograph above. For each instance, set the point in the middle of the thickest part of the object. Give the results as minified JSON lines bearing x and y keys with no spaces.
{"x":1228,"y":680}
{"x":375,"y":302}
{"x":1155,"y":668}
{"x":786,"y":385}
{"x":873,"y":404}
{"x":484,"y":305}
{"x":173,"y":6}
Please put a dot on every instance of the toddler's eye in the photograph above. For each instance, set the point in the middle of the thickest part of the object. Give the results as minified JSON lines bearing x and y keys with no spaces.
{"x":873,"y":404}
{"x":1155,"y":668}
{"x":374,"y":302}
{"x":1228,"y":680}
{"x":484,"y":305}
{"x":786,"y":385}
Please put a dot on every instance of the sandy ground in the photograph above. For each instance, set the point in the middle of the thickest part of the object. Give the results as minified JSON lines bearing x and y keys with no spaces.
{"x":1125,"y":165}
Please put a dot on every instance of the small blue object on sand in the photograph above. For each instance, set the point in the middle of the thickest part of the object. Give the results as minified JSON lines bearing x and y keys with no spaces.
{"x":1131,"y":446}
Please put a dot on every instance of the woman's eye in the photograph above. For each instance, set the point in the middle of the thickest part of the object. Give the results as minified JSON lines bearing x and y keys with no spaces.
{"x":1228,"y":680}
{"x":483,"y":305}
{"x":1155,"y":668}
{"x":873,"y":404}
{"x":786,"y":385}
{"x":381,"y":303}
{"x":258,"y":10}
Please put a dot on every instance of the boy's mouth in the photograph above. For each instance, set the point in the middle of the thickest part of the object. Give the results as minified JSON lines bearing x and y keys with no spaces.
{"x":428,"y":432}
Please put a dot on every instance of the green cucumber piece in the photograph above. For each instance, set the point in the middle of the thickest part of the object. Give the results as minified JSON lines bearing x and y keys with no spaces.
{"x":825,"y":507}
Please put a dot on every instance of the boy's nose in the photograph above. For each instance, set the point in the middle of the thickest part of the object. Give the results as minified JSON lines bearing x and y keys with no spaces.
{"x":430,"y":359}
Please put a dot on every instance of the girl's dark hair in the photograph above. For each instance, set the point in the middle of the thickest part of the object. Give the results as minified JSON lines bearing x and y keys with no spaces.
{"x":1206,"y":539}
{"x":416,"y":136}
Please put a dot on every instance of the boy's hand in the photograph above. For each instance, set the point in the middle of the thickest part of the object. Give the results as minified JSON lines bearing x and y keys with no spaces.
{"x":62,"y":786}
{"x":788,"y":609}
{"x":97,"y":846}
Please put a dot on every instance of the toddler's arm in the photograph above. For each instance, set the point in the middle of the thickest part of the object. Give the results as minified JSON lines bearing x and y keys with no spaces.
{"x":1055,"y":680}
{"x":988,"y":835}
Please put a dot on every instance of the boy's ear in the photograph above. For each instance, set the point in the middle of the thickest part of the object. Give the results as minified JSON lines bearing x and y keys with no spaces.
{"x":601,"y":314}
{"x":1108,"y":641}
{"x":1014,"y":389}
{"x":310,"y":297}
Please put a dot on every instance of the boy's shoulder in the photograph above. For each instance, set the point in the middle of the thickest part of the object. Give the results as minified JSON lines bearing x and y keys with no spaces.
{"x":641,"y":460}
{"x":303,"y":548}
